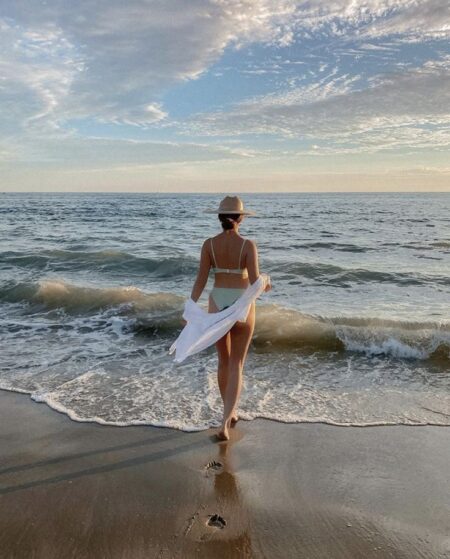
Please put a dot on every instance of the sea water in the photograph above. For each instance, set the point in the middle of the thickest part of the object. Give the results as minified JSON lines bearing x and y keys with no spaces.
{"x":356,"y":330}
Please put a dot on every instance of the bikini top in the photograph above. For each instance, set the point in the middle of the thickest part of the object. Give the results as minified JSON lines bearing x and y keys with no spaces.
{"x":241,"y":271}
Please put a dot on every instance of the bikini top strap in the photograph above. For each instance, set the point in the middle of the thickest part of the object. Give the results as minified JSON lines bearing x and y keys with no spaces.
{"x":240,"y":254}
{"x":213,"y":255}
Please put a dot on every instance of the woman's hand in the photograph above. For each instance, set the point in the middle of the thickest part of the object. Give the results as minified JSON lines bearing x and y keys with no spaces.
{"x":268,"y":286}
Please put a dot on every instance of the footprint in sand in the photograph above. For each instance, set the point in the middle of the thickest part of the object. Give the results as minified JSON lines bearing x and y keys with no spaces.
{"x":217,"y":521}
{"x":213,"y":467}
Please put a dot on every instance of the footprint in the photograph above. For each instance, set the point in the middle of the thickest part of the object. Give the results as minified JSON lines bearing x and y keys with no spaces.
{"x":217,"y":521}
{"x":213,"y":466}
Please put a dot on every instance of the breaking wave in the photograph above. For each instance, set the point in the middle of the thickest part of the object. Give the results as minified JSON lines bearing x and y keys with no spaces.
{"x":277,"y":328}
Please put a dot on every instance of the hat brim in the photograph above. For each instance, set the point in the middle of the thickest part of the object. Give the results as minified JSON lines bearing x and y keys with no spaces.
{"x":210,"y":211}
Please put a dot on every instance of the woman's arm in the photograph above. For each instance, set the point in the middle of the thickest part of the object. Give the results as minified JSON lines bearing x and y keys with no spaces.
{"x":202,"y":275}
{"x":252,"y":262}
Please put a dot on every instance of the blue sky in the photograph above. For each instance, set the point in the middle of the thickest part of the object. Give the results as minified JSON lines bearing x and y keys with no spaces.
{"x":224,"y":95}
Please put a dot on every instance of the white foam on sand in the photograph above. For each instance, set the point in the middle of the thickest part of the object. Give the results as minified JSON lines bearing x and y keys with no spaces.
{"x":187,"y":398}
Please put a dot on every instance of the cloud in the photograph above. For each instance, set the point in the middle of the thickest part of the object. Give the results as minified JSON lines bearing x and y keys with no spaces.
{"x":411,"y":19}
{"x":409,"y":108}
{"x":76,"y":152}
{"x":37,"y":69}
{"x":107,"y":61}
{"x":414,"y":21}
{"x":111,"y":60}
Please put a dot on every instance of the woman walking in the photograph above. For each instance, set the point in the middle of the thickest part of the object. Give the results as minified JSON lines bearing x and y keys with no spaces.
{"x":234,"y":261}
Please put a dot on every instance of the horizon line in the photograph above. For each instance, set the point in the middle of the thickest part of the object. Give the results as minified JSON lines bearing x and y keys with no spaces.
{"x":227,"y":192}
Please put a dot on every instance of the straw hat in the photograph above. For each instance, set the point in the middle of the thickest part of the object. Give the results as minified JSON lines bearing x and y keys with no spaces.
{"x":231,"y":205}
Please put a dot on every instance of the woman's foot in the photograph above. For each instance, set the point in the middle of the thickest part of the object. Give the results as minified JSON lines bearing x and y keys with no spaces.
{"x":223,"y":434}
{"x":234,"y":420}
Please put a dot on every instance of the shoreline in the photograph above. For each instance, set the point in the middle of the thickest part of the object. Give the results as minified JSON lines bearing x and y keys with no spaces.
{"x":97,"y":421}
{"x":314,"y":490}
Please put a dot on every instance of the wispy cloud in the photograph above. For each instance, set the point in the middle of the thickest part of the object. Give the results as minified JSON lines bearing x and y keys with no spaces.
{"x":410,"y":19}
{"x":413,"y":21}
{"x":77,"y":152}
{"x":37,"y":70}
{"x":116,"y":58}
{"x":409,"y":108}
{"x":111,"y":60}
{"x":345,"y":77}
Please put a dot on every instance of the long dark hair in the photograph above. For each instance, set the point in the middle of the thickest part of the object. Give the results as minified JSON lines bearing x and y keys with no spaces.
{"x":227,"y":220}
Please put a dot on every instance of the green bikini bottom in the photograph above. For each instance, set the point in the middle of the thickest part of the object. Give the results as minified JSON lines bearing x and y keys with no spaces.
{"x":223,"y":297}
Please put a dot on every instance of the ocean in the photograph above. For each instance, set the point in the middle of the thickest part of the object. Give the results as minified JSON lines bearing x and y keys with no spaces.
{"x":356,"y":330}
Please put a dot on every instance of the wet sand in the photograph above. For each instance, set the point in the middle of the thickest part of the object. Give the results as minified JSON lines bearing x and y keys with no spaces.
{"x":78,"y":490}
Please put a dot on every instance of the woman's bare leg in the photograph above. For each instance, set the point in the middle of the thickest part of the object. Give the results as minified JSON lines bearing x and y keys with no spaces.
{"x":223,"y":347}
{"x":240,"y":337}
{"x":223,"y":353}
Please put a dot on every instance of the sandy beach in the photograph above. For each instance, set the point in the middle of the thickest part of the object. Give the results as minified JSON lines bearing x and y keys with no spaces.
{"x":83,"y":490}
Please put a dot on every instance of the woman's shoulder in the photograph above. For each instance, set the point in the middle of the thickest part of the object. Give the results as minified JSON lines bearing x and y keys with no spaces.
{"x":247,"y":243}
{"x":207,"y":242}
{"x":250,"y":243}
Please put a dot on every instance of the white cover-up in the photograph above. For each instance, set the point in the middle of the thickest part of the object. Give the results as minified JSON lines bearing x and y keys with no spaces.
{"x":204,"y":329}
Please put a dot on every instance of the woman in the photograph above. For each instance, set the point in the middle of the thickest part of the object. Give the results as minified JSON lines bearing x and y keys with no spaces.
{"x":234,"y":261}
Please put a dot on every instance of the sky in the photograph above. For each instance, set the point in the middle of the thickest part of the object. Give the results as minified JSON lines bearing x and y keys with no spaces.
{"x":224,"y":95}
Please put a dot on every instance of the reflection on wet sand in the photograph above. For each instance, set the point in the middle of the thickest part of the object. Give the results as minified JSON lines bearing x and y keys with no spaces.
{"x":222,"y":526}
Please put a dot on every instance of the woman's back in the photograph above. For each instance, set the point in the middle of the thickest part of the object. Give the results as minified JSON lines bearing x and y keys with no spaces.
{"x":232,"y":260}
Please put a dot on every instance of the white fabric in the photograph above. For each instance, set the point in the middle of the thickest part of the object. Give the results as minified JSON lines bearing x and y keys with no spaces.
{"x":204,"y":329}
